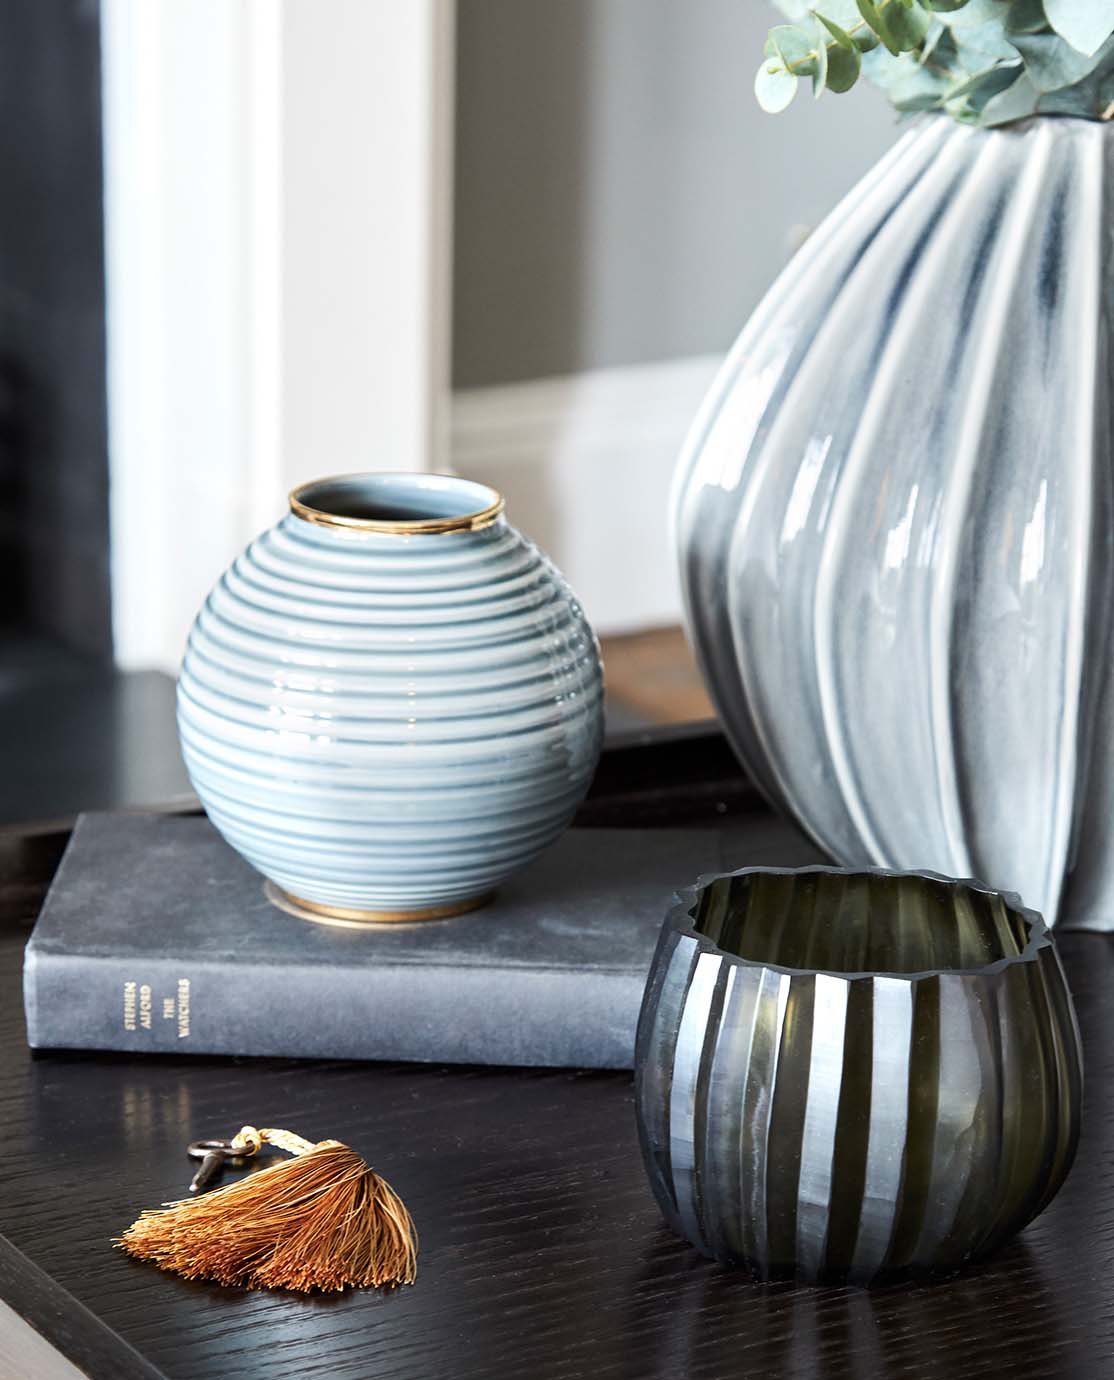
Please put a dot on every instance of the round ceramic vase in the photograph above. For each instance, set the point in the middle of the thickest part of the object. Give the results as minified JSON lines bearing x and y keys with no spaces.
{"x":894,"y":517}
{"x":855,"y":1076}
{"x":391,"y":700}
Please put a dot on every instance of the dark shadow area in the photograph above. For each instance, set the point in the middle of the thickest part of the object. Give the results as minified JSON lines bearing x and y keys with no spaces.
{"x":54,"y":535}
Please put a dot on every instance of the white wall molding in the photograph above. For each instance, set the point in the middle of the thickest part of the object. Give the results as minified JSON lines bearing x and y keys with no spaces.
{"x":277,"y":210}
{"x":585,"y":463}
{"x":367,"y":221}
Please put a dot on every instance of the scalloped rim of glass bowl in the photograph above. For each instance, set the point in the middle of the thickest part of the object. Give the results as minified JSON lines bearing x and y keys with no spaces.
{"x":680,"y":918}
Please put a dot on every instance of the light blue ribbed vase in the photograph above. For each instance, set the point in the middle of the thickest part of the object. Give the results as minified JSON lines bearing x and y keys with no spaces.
{"x":391,"y":701}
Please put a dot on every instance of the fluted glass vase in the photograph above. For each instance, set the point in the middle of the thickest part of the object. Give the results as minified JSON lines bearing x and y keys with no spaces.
{"x":893,"y":516}
{"x":854,"y":1076}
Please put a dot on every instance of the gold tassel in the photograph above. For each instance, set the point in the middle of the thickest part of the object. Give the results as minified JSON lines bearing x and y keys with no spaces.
{"x":323,"y":1220}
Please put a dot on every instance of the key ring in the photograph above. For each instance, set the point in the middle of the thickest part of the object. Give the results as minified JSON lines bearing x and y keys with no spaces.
{"x":214,"y":1155}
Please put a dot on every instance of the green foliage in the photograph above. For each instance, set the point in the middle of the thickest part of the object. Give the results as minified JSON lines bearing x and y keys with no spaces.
{"x":983,"y":61}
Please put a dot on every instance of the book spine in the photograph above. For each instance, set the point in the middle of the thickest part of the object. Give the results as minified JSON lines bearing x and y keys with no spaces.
{"x":428,"y":1013}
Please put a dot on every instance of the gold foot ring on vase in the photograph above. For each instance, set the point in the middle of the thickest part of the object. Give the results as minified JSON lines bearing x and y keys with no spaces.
{"x":351,"y":917}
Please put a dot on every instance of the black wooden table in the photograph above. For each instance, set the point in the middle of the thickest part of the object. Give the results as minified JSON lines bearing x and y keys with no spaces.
{"x":542,"y":1252}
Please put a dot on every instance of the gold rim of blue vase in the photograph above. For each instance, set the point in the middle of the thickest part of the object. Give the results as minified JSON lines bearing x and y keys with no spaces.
{"x":399,"y":527}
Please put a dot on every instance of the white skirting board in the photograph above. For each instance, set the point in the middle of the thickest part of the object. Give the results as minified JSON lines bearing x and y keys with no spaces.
{"x":585,"y":463}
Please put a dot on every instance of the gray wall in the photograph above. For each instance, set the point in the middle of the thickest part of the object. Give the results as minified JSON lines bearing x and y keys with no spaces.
{"x":619,"y":195}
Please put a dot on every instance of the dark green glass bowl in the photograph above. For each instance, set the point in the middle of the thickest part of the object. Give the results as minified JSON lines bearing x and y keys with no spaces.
{"x":854,"y":1076}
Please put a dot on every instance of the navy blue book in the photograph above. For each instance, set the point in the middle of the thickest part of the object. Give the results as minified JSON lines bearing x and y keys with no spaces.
{"x":156,"y":937}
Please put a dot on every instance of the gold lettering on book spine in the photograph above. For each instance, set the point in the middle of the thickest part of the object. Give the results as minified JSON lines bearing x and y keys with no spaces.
{"x":183,"y":1008}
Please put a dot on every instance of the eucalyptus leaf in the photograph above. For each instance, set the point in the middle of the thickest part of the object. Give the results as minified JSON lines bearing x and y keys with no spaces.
{"x":1084,"y":24}
{"x":944,"y":47}
{"x":907,"y":27}
{"x":841,"y":36}
{"x":982,"y":44}
{"x":774,"y":88}
{"x":1091,"y":97}
{"x":929,"y":52}
{"x":873,"y":17}
{"x":991,"y":84}
{"x":1026,"y":17}
{"x":973,"y":13}
{"x":1104,"y":93}
{"x":945,"y":6}
{"x":845,"y":13}
{"x":843,"y":68}
{"x":794,"y":47}
{"x":1052,"y":65}
{"x":1019,"y":100}
{"x":915,"y":87}
{"x":986,"y":83}
{"x":820,"y":76}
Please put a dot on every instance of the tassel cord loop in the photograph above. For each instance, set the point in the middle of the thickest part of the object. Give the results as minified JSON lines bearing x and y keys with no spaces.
{"x":249,"y":1141}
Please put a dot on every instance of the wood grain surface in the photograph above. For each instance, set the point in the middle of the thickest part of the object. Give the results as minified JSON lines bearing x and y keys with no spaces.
{"x":653,"y":674}
{"x":542,"y":1252}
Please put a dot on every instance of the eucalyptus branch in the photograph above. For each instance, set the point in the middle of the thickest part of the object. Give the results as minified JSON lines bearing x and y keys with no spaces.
{"x":808,"y":66}
{"x":1010,"y":59}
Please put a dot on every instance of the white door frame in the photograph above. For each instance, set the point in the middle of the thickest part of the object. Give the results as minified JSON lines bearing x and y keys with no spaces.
{"x":278,"y":191}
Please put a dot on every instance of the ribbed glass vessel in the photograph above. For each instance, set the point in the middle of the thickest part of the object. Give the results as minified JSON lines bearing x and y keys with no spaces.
{"x":391,"y":700}
{"x":854,"y":1076}
{"x":894,"y":514}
